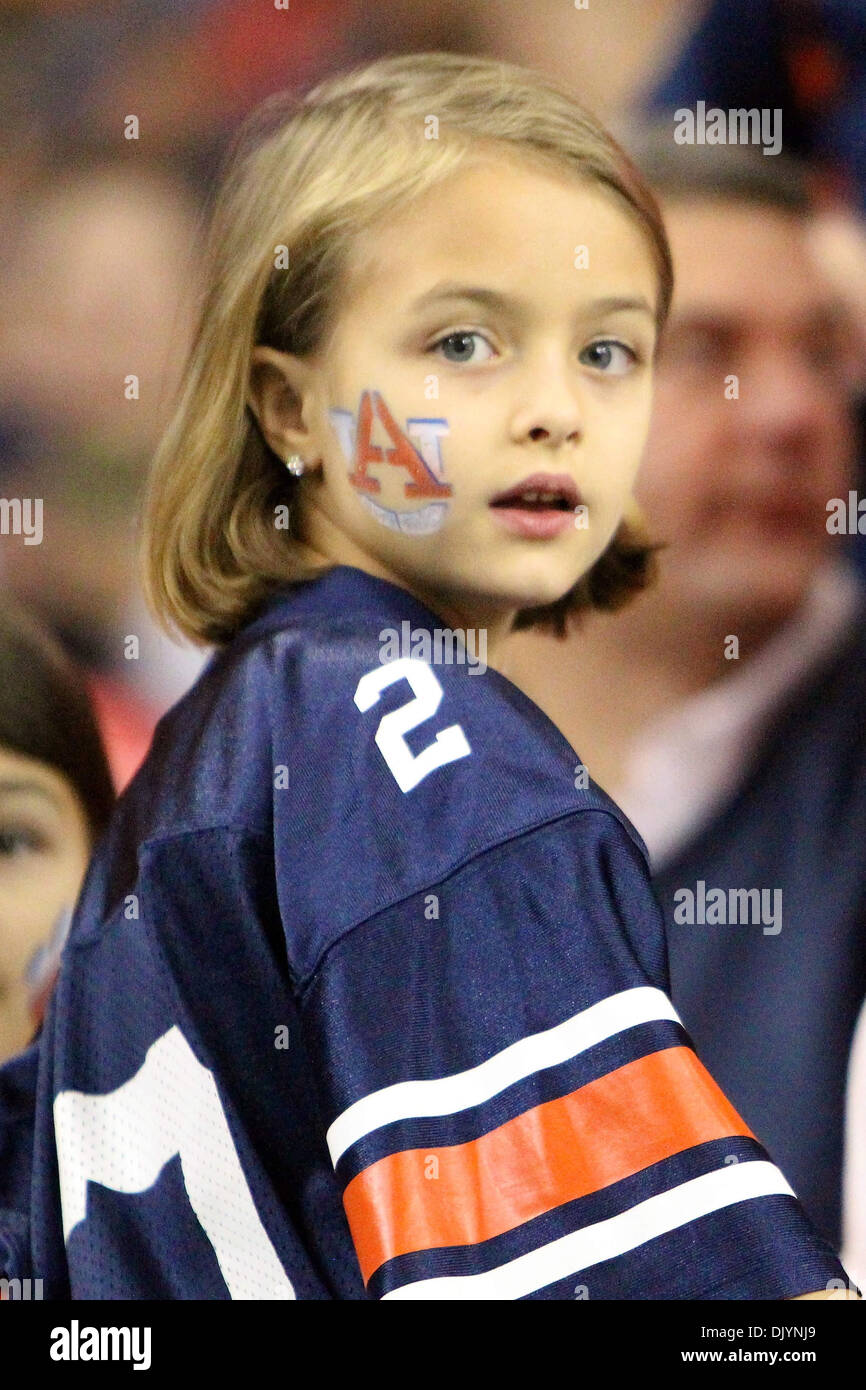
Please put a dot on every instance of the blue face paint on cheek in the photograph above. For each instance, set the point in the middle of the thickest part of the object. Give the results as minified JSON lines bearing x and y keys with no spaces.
{"x":417,"y":463}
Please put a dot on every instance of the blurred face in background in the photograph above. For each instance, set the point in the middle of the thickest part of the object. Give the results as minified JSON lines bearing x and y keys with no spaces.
{"x":44,"y":852}
{"x":739,"y":487}
{"x":99,"y":284}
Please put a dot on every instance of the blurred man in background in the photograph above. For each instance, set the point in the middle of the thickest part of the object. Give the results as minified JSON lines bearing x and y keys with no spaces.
{"x":737,"y":739}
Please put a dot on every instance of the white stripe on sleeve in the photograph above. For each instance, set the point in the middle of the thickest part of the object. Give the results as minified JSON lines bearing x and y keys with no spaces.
{"x":447,"y":1094}
{"x":578,"y":1251}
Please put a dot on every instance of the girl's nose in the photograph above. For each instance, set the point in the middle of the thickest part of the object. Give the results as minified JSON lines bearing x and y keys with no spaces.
{"x":550,"y":411}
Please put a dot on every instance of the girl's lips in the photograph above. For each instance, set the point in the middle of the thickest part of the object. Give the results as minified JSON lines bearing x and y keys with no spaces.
{"x":558,"y":486}
{"x":534,"y":522}
{"x":539,"y":507}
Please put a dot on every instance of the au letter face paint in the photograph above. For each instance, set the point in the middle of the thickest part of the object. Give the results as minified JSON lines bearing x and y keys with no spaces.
{"x":411,"y":495}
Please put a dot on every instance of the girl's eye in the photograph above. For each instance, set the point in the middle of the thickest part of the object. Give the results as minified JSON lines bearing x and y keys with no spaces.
{"x":464,"y":345}
{"x":609,"y":356}
{"x":14,"y":842}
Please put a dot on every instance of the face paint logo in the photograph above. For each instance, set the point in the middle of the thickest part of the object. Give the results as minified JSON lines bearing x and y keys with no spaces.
{"x":421,"y":460}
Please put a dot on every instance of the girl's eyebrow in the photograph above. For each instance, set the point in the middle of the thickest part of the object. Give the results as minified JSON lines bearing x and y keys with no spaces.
{"x":495,"y":299}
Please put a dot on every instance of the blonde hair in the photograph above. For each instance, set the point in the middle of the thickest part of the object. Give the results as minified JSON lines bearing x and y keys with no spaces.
{"x":306,"y":175}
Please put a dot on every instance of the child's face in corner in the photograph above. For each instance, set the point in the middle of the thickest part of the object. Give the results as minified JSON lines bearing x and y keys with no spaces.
{"x":44,"y":852}
{"x":502,"y":327}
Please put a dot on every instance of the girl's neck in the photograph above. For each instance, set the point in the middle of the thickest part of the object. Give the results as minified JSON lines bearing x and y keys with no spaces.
{"x":494,"y":622}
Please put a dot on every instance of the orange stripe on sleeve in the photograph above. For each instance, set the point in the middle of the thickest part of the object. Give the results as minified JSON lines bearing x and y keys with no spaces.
{"x":645,"y":1111}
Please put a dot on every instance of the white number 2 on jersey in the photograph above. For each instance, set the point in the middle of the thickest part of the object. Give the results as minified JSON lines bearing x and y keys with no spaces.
{"x":450,"y":744}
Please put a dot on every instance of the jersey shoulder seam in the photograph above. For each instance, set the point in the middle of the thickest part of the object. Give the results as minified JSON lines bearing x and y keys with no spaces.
{"x":304,"y":981}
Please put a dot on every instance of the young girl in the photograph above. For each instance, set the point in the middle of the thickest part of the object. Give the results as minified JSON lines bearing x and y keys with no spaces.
{"x":365,"y":994}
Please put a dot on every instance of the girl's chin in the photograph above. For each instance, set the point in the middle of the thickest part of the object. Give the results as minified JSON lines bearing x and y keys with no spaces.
{"x":493,"y":583}
{"x":537,"y":591}
{"x":539,"y":596}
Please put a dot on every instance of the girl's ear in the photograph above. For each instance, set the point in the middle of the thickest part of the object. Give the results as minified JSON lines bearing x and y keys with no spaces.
{"x":279,"y":393}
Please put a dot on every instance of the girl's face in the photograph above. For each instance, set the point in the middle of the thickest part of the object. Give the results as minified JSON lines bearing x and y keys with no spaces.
{"x":496,"y":335}
{"x":44,"y":851}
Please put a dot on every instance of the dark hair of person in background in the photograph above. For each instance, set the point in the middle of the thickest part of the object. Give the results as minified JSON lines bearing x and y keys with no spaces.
{"x":46,"y":713}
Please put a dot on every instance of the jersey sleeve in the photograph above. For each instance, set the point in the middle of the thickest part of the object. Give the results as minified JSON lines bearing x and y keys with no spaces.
{"x":514,"y":1109}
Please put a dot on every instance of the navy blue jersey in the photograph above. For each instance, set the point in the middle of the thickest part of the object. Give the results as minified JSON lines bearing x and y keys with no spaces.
{"x":365,"y":996}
